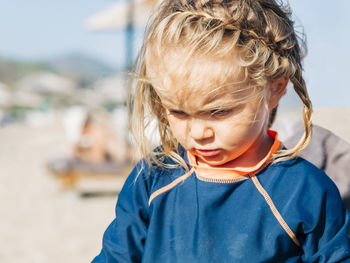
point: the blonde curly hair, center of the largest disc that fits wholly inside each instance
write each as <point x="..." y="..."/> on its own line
<point x="260" y="37"/>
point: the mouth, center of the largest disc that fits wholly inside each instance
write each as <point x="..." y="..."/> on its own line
<point x="207" y="152"/>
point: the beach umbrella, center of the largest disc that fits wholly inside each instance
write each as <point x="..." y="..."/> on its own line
<point x="123" y="16"/>
<point x="118" y="15"/>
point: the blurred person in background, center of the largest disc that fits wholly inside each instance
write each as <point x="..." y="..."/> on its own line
<point x="328" y="152"/>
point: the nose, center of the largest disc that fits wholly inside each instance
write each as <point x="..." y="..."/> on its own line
<point x="200" y="130"/>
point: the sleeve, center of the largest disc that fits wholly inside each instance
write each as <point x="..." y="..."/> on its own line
<point x="124" y="239"/>
<point x="324" y="237"/>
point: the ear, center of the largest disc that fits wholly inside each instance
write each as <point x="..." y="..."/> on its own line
<point x="277" y="88"/>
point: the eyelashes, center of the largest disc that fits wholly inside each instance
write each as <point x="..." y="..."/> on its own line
<point x="221" y="112"/>
<point x="177" y="112"/>
<point x="211" y="114"/>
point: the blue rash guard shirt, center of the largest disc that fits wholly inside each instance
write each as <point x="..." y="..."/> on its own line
<point x="286" y="212"/>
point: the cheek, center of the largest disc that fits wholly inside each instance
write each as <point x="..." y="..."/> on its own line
<point x="178" y="128"/>
<point x="241" y="128"/>
<point x="233" y="131"/>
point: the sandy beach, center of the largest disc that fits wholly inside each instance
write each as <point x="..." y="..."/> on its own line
<point x="39" y="222"/>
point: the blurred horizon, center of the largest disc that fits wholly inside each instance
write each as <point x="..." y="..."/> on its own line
<point x="38" y="31"/>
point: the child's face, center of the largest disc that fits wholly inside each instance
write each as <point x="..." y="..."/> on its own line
<point x="206" y="113"/>
<point x="215" y="129"/>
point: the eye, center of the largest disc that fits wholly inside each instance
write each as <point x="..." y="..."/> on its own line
<point x="178" y="113"/>
<point x="220" y="112"/>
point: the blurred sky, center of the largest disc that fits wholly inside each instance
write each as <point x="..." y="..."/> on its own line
<point x="41" y="29"/>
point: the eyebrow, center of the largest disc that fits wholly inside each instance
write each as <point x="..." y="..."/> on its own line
<point x="168" y="103"/>
<point x="214" y="97"/>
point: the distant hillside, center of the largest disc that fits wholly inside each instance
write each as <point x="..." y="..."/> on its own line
<point x="80" y="66"/>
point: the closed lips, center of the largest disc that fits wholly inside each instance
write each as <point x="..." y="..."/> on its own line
<point x="207" y="152"/>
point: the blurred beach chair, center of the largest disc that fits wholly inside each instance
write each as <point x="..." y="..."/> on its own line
<point x="87" y="177"/>
<point x="99" y="161"/>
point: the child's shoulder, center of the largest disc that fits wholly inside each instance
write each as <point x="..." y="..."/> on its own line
<point x="301" y="169"/>
<point x="300" y="179"/>
<point x="298" y="171"/>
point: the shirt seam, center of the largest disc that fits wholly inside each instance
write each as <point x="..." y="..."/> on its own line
<point x="169" y="186"/>
<point x="274" y="210"/>
<point x="222" y="181"/>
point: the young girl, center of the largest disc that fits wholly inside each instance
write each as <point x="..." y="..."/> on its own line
<point x="222" y="188"/>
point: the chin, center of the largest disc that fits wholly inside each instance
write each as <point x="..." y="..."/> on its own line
<point x="213" y="162"/>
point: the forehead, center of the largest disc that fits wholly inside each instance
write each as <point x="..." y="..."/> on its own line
<point x="196" y="81"/>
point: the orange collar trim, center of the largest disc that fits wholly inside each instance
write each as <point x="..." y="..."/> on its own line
<point x="232" y="173"/>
